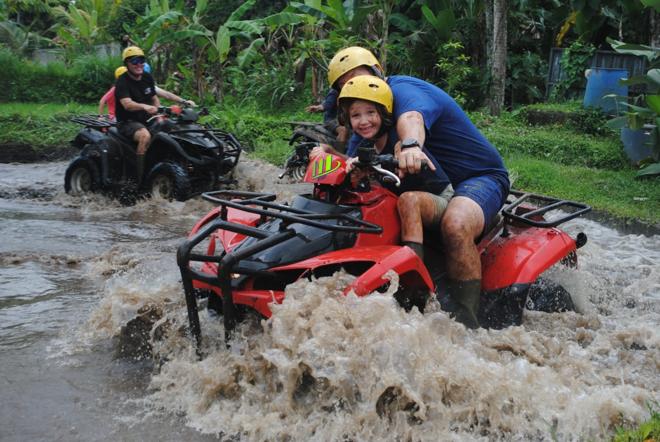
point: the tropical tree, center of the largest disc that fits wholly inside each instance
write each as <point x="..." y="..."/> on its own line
<point x="499" y="55"/>
<point x="83" y="24"/>
<point x="19" y="39"/>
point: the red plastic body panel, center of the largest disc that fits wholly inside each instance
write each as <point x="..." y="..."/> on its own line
<point x="326" y="169"/>
<point x="255" y="299"/>
<point x="379" y="207"/>
<point x="522" y="256"/>
<point x="401" y="260"/>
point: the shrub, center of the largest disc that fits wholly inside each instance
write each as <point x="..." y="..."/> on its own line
<point x="556" y="143"/>
<point x="574" y="61"/>
<point x="84" y="81"/>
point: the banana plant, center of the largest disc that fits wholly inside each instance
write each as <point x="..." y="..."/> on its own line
<point x="18" y="38"/>
<point x="83" y="23"/>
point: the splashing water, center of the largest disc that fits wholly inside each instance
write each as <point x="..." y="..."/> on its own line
<point x="334" y="367"/>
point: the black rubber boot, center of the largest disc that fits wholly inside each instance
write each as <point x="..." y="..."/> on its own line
<point x="466" y="295"/>
<point x="416" y="247"/>
<point x="139" y="166"/>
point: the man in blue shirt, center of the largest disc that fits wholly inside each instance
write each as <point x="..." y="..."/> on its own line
<point x="427" y="119"/>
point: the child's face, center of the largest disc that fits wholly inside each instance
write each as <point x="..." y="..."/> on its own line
<point x="365" y="119"/>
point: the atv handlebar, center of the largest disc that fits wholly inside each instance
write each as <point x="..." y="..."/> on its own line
<point x="383" y="164"/>
<point x="246" y="201"/>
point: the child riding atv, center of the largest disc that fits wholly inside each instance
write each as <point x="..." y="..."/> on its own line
<point x="366" y="103"/>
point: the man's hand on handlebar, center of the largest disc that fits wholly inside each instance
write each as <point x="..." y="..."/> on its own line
<point x="151" y="110"/>
<point x="188" y="103"/>
<point x="411" y="160"/>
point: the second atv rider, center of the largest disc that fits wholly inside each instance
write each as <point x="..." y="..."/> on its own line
<point x="135" y="94"/>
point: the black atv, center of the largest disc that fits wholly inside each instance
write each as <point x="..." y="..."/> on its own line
<point x="305" y="136"/>
<point x="184" y="158"/>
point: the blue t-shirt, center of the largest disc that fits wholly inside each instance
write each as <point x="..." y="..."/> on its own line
<point x="330" y="105"/>
<point x="451" y="138"/>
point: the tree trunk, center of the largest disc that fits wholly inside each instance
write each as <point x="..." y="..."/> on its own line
<point x="315" y="87"/>
<point x="655" y="28"/>
<point x="499" y="52"/>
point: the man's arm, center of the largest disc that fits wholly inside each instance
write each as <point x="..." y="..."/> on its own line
<point x="411" y="125"/>
<point x="133" y="106"/>
<point x="172" y="97"/>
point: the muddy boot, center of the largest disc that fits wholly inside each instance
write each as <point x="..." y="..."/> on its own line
<point x="139" y="166"/>
<point x="418" y="248"/>
<point x="466" y="295"/>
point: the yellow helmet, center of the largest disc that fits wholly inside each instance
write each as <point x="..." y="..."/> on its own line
<point x="120" y="70"/>
<point x="131" y="51"/>
<point x="350" y="58"/>
<point x="368" y="88"/>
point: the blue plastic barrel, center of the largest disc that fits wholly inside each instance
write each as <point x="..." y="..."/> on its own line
<point x="601" y="82"/>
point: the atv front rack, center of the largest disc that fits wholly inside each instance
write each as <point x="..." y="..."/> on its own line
<point x="514" y="212"/>
<point x="260" y="204"/>
<point x="95" y="121"/>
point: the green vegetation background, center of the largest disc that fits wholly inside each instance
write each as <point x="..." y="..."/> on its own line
<point x="567" y="158"/>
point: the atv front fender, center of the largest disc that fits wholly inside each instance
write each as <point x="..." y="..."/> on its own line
<point x="401" y="260"/>
<point x="523" y="255"/>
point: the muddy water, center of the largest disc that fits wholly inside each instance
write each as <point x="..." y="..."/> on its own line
<point x="327" y="367"/>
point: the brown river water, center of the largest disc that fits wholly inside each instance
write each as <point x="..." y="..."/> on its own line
<point x="326" y="367"/>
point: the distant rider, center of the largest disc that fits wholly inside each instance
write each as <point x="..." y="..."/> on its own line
<point x="109" y="98"/>
<point x="135" y="94"/>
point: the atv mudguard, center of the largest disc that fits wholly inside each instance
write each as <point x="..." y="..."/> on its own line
<point x="401" y="260"/>
<point x="522" y="255"/>
<point x="382" y="259"/>
<point x="86" y="136"/>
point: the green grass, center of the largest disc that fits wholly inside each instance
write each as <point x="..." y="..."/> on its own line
<point x="558" y="143"/>
<point x="552" y="160"/>
<point x="615" y="192"/>
<point x="568" y="106"/>
<point x="646" y="431"/>
<point x="46" y="109"/>
<point x="40" y="125"/>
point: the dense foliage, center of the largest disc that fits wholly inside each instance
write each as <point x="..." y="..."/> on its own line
<point x="84" y="80"/>
<point x="270" y="49"/>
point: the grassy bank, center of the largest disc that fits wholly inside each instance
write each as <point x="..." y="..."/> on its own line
<point x="40" y="126"/>
<point x="573" y="161"/>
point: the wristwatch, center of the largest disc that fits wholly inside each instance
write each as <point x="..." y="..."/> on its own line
<point x="409" y="142"/>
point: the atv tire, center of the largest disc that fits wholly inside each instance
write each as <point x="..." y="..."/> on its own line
<point x="128" y="193"/>
<point x="548" y="296"/>
<point x="168" y="180"/>
<point x="82" y="176"/>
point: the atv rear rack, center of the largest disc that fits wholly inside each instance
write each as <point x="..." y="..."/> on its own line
<point x="534" y="217"/>
<point x="257" y="203"/>
<point x="95" y="121"/>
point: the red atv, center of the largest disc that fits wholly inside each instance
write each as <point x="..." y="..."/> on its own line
<point x="256" y="247"/>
